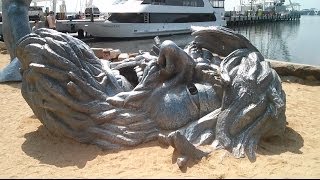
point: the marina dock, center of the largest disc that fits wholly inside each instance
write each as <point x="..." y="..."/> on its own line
<point x="249" y="20"/>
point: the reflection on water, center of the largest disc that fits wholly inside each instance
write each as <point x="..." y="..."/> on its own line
<point x="134" y="45"/>
<point x="272" y="39"/>
<point x="294" y="41"/>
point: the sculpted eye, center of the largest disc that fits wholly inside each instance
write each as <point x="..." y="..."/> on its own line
<point x="192" y="89"/>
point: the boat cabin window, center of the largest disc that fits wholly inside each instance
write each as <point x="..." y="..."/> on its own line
<point x="217" y="3"/>
<point x="94" y="10"/>
<point x="161" y="17"/>
<point x="155" y="2"/>
<point x="193" y="3"/>
<point x="181" y="18"/>
<point x="119" y="2"/>
<point x="35" y="8"/>
<point x="126" y="17"/>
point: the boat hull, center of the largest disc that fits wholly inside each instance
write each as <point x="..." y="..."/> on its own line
<point x="122" y="30"/>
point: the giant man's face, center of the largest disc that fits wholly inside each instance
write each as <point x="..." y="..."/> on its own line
<point x="180" y="89"/>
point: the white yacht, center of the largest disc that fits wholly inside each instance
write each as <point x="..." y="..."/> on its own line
<point x="142" y="18"/>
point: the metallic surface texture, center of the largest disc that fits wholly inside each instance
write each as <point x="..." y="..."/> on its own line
<point x="217" y="91"/>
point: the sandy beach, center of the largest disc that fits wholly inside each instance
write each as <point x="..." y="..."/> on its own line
<point x="28" y="150"/>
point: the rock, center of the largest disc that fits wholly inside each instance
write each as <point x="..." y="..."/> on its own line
<point x="98" y="52"/>
<point x="106" y="54"/>
<point x="302" y="71"/>
<point x="133" y="54"/>
<point x="123" y="56"/>
<point x="115" y="53"/>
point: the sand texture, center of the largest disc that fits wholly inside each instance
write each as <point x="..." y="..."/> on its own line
<point x="28" y="150"/>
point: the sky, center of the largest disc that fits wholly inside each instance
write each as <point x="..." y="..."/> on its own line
<point x="74" y="5"/>
<point x="305" y="4"/>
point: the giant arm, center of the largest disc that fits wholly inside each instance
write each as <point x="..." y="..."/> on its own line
<point x="219" y="90"/>
<point x="14" y="26"/>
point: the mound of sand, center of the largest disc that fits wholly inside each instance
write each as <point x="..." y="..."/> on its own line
<point x="28" y="150"/>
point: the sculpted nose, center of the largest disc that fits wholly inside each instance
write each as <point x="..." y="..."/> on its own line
<point x="173" y="60"/>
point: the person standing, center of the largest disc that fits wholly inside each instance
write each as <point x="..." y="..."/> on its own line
<point x="51" y="19"/>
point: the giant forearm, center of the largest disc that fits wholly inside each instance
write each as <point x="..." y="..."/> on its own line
<point x="15" y="22"/>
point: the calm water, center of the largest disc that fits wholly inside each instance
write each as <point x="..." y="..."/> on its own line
<point x="293" y="41"/>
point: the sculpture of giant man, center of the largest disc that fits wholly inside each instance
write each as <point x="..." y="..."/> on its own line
<point x="217" y="91"/>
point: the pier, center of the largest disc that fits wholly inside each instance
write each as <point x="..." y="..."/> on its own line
<point x="242" y="20"/>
